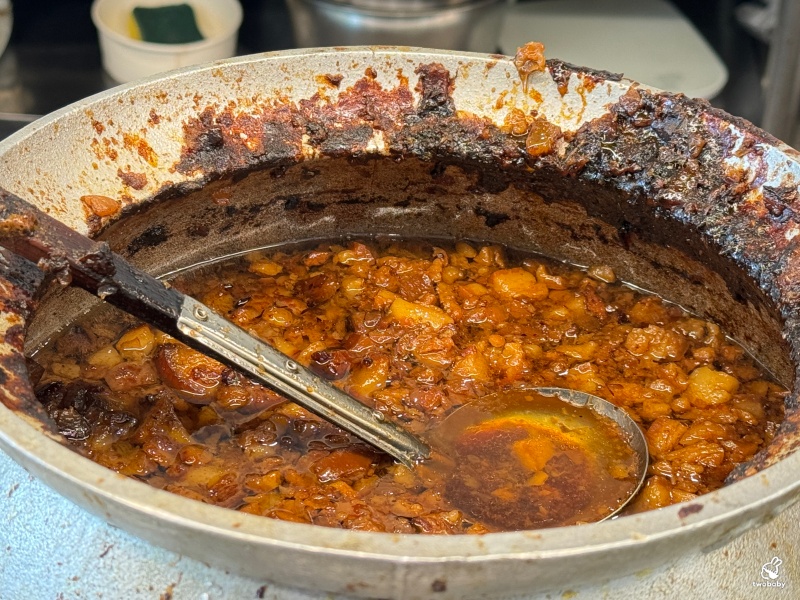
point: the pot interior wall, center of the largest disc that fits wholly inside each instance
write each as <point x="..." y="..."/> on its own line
<point x="557" y="217"/>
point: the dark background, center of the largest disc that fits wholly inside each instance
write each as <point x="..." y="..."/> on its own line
<point x="266" y="24"/>
<point x="54" y="44"/>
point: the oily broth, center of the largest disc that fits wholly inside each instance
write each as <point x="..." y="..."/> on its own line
<point x="522" y="460"/>
<point x="415" y="329"/>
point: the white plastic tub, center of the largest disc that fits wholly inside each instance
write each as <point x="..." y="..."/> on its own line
<point x="126" y="59"/>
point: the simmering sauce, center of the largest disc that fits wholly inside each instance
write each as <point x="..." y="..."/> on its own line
<point x="414" y="329"/>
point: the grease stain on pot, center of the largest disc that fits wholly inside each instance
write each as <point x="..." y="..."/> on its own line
<point x="99" y="505"/>
<point x="689" y="509"/>
<point x="493" y="219"/>
<point x="137" y="181"/>
<point x="142" y="148"/>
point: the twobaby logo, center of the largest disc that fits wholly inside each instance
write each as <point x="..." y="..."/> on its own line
<point x="770" y="573"/>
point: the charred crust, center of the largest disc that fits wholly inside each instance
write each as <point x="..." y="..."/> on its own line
<point x="24" y="279"/>
<point x="435" y="88"/>
<point x="275" y="138"/>
<point x="347" y="142"/>
<point x="224" y="143"/>
<point x="561" y="72"/>
<point x="21" y="282"/>
<point x="493" y="219"/>
<point x="778" y="201"/>
<point x="438" y="170"/>
<point x="101" y="261"/>
<point x="149" y="238"/>
<point x="15" y="337"/>
<point x="291" y="202"/>
<point x="566" y="69"/>
<point x="16" y="392"/>
<point x="198" y="230"/>
<point x="333" y="80"/>
<point x="654" y="167"/>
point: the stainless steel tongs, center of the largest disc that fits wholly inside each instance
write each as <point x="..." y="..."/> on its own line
<point x="57" y="249"/>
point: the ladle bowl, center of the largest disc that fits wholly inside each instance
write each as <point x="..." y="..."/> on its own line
<point x="528" y="457"/>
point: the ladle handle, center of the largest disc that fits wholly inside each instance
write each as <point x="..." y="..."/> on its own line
<point x="239" y="349"/>
<point x="76" y="259"/>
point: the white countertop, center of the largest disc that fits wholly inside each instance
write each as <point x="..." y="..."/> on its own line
<point x="649" y="41"/>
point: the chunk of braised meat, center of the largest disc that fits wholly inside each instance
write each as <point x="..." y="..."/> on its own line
<point x="331" y="364"/>
<point x="192" y="374"/>
<point x="317" y="289"/>
<point x="349" y="465"/>
<point x="238" y="393"/>
<point x="79" y="409"/>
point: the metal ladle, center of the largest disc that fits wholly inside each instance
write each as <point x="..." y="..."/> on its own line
<point x="78" y="260"/>
<point x="533" y="457"/>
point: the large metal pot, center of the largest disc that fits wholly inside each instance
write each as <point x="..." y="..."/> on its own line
<point x="675" y="196"/>
<point x="452" y="24"/>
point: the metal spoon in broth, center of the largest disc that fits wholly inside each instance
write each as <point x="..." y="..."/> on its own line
<point x="529" y="458"/>
<point x="507" y="460"/>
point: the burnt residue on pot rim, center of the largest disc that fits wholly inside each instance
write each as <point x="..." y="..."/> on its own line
<point x="677" y="156"/>
<point x="693" y="167"/>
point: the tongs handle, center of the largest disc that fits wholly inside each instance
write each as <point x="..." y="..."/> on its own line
<point x="74" y="258"/>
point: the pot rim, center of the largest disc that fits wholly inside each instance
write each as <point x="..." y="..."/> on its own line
<point x="752" y="499"/>
<point x="775" y="487"/>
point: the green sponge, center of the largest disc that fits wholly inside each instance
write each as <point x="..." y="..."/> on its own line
<point x="172" y="24"/>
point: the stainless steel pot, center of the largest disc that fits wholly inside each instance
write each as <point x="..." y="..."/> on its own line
<point x="472" y="25"/>
<point x="675" y="196"/>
